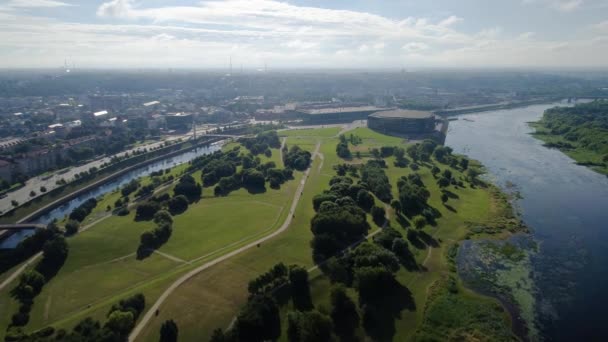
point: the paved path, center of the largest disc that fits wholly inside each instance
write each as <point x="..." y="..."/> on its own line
<point x="152" y="311"/>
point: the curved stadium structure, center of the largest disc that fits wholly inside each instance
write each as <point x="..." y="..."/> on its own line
<point x="400" y="122"/>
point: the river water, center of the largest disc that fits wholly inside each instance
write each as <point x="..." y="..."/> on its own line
<point x="566" y="207"/>
<point x="67" y="208"/>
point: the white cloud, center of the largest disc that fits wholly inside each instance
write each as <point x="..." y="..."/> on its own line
<point x="115" y="8"/>
<point x="450" y="21"/>
<point x="36" y="3"/>
<point x="414" y="47"/>
<point x="282" y="34"/>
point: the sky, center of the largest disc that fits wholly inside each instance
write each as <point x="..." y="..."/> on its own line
<point x="359" y="34"/>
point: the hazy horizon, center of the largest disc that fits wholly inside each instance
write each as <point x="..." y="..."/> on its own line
<point x="305" y="34"/>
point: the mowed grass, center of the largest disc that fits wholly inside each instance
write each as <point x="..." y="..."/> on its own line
<point x="212" y="299"/>
<point x="102" y="268"/>
<point x="311" y="132"/>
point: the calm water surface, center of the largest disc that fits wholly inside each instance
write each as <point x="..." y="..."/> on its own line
<point x="565" y="205"/>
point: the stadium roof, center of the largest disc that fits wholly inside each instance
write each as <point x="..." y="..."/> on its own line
<point x="322" y="111"/>
<point x="402" y="113"/>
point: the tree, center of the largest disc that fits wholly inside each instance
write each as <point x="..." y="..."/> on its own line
<point x="71" y="227"/>
<point x="300" y="288"/>
<point x="365" y="200"/>
<point x="443" y="182"/>
<point x="32" y="193"/>
<point x="168" y="331"/>
<point x="396" y="205"/>
<point x="146" y="211"/>
<point x="309" y="326"/>
<point x="444" y="198"/>
<point x="373" y="284"/>
<point x="464" y="163"/>
<point x="378" y="215"/>
<point x="178" y="204"/>
<point x="344" y="313"/>
<point x="419" y="222"/>
<point x="435" y="171"/>
<point x="163" y="216"/>
<point x="259" y="320"/>
<point x="188" y="187"/>
<point x="54" y="253"/>
<point x="337" y="229"/>
<point x="253" y="179"/>
<point x="120" y="322"/>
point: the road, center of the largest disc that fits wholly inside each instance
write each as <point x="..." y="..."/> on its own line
<point x="22" y="195"/>
<point x="152" y="311"/>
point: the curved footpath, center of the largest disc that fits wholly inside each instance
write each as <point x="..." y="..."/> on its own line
<point x="151" y="312"/>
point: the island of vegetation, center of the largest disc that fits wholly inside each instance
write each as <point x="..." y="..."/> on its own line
<point x="369" y="252"/>
<point x="581" y="132"/>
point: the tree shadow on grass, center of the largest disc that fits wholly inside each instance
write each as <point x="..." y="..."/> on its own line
<point x="450" y="194"/>
<point x="428" y="239"/>
<point x="379" y="316"/>
<point x="450" y="208"/>
<point x="403" y="222"/>
<point x="413" y="236"/>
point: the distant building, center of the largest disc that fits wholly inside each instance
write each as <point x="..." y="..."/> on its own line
<point x="336" y="114"/>
<point x="100" y="113"/>
<point x="179" y="121"/>
<point x="407" y="123"/>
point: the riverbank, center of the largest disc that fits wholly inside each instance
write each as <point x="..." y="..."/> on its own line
<point x="564" y="206"/>
<point x="53" y="199"/>
<point x="595" y="159"/>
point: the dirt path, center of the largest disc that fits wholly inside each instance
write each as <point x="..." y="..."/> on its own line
<point x="170" y="257"/>
<point x="151" y="312"/>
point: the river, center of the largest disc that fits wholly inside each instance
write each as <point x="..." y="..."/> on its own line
<point x="116" y="183"/>
<point x="566" y="207"/>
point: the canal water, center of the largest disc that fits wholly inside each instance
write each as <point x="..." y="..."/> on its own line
<point x="67" y="208"/>
<point x="566" y="207"/>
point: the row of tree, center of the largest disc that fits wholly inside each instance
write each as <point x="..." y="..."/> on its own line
<point x="120" y="320"/>
<point x="31" y="282"/>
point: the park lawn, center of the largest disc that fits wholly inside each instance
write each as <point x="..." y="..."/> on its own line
<point x="211" y="299"/>
<point x="102" y="259"/>
<point x="310" y="132"/>
<point x="212" y="224"/>
<point x="374" y="139"/>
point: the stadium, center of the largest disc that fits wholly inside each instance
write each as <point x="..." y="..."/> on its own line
<point x="402" y="122"/>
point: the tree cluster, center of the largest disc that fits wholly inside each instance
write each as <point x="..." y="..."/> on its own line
<point x="153" y="239"/>
<point x="262" y="142"/>
<point x="372" y="174"/>
<point x="83" y="210"/>
<point x="297" y="158"/>
<point x="120" y="320"/>
<point x="342" y="149"/>
<point x="54" y="254"/>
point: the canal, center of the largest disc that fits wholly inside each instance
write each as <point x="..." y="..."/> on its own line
<point x="110" y="186"/>
<point x="566" y="207"/>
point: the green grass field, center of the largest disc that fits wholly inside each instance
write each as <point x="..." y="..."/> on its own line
<point x="212" y="298"/>
<point x="102" y="267"/>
